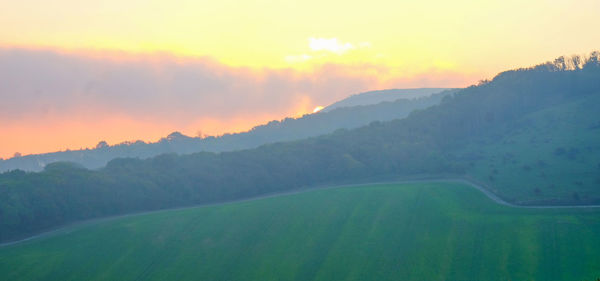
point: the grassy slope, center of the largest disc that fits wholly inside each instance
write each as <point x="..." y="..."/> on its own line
<point x="411" y="232"/>
<point x="529" y="164"/>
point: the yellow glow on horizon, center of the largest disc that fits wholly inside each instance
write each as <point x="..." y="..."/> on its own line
<point x="317" y="109"/>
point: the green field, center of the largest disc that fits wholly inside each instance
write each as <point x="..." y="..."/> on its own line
<point x="553" y="155"/>
<point x="435" y="231"/>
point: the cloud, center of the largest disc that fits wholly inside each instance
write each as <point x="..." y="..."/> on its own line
<point x="121" y="97"/>
<point x="298" y="58"/>
<point x="330" y="45"/>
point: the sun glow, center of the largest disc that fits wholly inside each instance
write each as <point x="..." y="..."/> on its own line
<point x="175" y="61"/>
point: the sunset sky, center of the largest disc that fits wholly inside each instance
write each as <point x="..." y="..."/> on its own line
<point x="75" y="72"/>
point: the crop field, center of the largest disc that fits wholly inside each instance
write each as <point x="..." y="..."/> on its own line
<point x="419" y="231"/>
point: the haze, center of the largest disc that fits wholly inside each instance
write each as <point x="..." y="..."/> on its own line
<point x="75" y="72"/>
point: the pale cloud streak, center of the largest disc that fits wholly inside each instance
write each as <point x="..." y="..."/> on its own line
<point x="330" y="45"/>
<point x="320" y="49"/>
<point x="298" y="58"/>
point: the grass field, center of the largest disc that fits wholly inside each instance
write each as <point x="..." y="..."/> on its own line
<point x="553" y="157"/>
<point x="435" y="231"/>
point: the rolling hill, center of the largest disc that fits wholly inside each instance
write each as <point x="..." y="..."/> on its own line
<point x="546" y="157"/>
<point x="529" y="134"/>
<point x="426" y="231"/>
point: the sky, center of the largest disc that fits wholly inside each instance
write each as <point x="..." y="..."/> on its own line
<point x="74" y="72"/>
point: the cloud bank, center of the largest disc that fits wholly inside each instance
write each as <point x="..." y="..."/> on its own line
<point x="43" y="89"/>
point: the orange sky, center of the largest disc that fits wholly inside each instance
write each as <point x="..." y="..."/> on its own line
<point x="77" y="72"/>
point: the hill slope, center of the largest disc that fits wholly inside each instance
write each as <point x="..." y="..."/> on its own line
<point x="390" y="107"/>
<point x="387" y="232"/>
<point x="375" y="97"/>
<point x="548" y="156"/>
<point x="457" y="137"/>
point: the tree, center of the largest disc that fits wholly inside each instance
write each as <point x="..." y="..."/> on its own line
<point x="101" y="144"/>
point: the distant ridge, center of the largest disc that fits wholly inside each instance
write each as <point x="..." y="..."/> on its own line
<point x="374" y="97"/>
<point x="288" y="129"/>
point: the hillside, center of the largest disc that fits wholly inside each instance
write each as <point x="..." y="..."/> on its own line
<point x="390" y="106"/>
<point x="548" y="156"/>
<point x="375" y="97"/>
<point x="437" y="231"/>
<point x="466" y="135"/>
